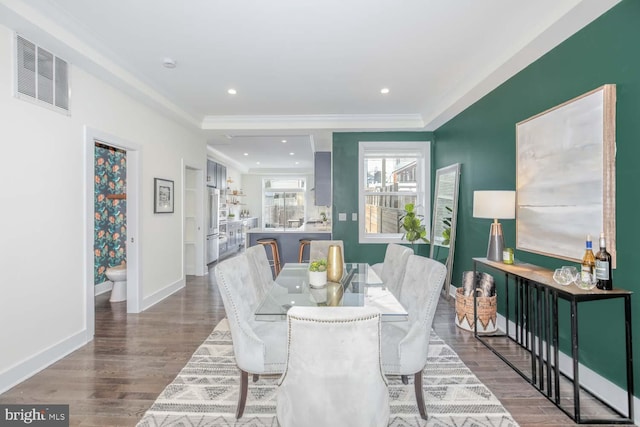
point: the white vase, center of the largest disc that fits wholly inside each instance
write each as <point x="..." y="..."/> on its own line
<point x="317" y="279"/>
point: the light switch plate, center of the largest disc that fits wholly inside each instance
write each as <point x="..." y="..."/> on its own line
<point x="342" y="216"/>
<point x="354" y="216"/>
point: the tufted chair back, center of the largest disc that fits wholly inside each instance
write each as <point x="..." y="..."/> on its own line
<point x="405" y="345"/>
<point x="333" y="375"/>
<point x="258" y="347"/>
<point x="320" y="248"/>
<point x="391" y="271"/>
<point x="260" y="271"/>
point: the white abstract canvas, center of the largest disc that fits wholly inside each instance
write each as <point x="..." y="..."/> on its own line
<point x="565" y="164"/>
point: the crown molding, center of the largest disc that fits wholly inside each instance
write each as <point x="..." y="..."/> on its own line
<point x="322" y="121"/>
<point x="78" y="51"/>
<point x="515" y="60"/>
<point x="228" y="161"/>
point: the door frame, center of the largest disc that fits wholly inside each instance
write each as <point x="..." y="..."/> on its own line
<point x="133" y="246"/>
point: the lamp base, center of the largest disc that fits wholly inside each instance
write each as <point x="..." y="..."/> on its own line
<point x="496" y="242"/>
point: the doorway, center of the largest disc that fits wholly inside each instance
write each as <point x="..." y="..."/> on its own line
<point x="193" y="254"/>
<point x="133" y="291"/>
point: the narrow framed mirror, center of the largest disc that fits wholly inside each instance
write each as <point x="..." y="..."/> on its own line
<point x="445" y="213"/>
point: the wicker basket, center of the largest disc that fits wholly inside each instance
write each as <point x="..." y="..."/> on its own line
<point x="486" y="311"/>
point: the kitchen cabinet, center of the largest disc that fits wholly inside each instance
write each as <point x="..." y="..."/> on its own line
<point x="216" y="175"/>
<point x="211" y="173"/>
<point x="235" y="232"/>
<point x="322" y="178"/>
<point x="222" y="176"/>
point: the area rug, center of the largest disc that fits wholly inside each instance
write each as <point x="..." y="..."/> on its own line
<point x="205" y="393"/>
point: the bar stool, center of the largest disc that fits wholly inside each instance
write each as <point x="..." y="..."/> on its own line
<point x="303" y="243"/>
<point x="275" y="255"/>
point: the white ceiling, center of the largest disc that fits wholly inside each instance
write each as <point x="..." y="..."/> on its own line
<point x="301" y="68"/>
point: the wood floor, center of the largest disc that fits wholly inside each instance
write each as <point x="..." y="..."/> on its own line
<point x="114" y="379"/>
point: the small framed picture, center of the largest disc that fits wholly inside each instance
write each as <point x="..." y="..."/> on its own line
<point x="163" y="196"/>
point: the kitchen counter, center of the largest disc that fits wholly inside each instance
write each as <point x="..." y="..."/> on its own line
<point x="289" y="238"/>
<point x="236" y="219"/>
<point x="306" y="228"/>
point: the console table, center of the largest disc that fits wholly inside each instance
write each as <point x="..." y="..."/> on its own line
<point x="535" y="318"/>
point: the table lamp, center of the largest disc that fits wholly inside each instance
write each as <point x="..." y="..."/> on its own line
<point x="495" y="205"/>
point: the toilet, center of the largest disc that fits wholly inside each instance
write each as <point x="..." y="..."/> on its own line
<point x="118" y="275"/>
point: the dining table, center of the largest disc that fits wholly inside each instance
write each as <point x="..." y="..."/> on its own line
<point x="359" y="286"/>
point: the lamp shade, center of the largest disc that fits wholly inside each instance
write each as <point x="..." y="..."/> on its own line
<point x="494" y="204"/>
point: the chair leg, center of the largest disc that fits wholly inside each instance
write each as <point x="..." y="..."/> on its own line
<point x="419" y="395"/>
<point x="276" y="258"/>
<point x="242" y="398"/>
<point x="405" y="379"/>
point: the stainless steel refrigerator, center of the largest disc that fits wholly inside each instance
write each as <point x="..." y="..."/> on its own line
<point x="213" y="232"/>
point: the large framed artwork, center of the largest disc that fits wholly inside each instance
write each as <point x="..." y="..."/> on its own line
<point x="163" y="199"/>
<point x="565" y="167"/>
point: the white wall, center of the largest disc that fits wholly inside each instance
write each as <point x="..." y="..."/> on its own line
<point x="42" y="305"/>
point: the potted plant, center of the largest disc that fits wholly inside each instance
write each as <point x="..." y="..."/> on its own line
<point x="414" y="229"/>
<point x="323" y="216"/>
<point x="318" y="273"/>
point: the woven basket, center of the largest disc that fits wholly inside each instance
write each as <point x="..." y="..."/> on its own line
<point x="486" y="311"/>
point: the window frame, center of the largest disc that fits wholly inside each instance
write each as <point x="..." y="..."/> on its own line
<point x="303" y="190"/>
<point x="423" y="185"/>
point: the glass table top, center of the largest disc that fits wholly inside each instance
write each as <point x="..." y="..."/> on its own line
<point x="360" y="286"/>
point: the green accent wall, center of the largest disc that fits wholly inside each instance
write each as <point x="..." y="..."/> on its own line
<point x="345" y="191"/>
<point x="482" y="138"/>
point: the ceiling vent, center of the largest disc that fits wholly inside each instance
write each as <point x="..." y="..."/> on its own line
<point x="41" y="75"/>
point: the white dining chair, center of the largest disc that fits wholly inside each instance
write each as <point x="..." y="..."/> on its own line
<point x="391" y="270"/>
<point x="405" y="345"/>
<point x="319" y="249"/>
<point x="333" y="375"/>
<point x="260" y="271"/>
<point x="258" y="347"/>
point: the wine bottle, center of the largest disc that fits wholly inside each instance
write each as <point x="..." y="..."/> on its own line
<point x="603" y="266"/>
<point x="588" y="267"/>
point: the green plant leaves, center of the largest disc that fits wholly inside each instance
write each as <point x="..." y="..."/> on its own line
<point x="412" y="225"/>
<point x="318" y="265"/>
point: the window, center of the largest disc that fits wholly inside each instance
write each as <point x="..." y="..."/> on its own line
<point x="283" y="202"/>
<point x="391" y="174"/>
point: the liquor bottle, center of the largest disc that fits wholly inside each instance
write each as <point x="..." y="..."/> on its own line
<point x="588" y="263"/>
<point x="603" y="266"/>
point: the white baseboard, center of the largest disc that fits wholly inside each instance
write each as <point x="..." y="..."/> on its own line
<point x="163" y="293"/>
<point x="599" y="386"/>
<point x="103" y="287"/>
<point x="34" y="364"/>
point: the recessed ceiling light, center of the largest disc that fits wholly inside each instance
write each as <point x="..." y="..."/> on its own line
<point x="246" y="154"/>
<point x="232" y="91"/>
<point x="169" y="62"/>
<point x="284" y="141"/>
<point x="257" y="163"/>
<point x="291" y="153"/>
<point x="384" y="90"/>
<point x="297" y="163"/>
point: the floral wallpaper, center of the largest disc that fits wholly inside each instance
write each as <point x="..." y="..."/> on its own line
<point x="110" y="214"/>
